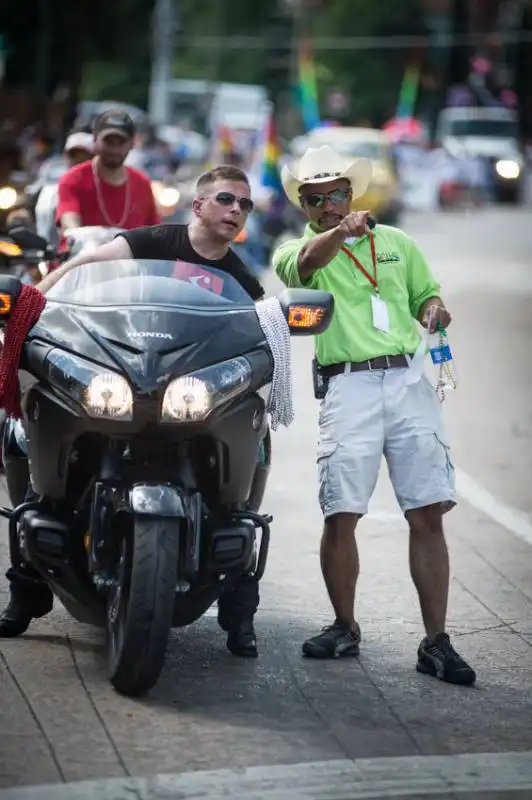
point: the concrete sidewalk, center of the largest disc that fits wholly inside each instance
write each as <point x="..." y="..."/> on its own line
<point x="210" y="711"/>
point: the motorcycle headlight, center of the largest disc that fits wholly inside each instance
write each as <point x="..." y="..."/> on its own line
<point x="191" y="398"/>
<point x="8" y="197"/>
<point x="508" y="169"/>
<point x="165" y="196"/>
<point x="101" y="393"/>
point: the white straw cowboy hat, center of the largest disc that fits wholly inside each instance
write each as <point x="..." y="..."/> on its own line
<point x="323" y="165"/>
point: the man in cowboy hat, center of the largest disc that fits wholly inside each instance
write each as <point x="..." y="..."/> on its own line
<point x="373" y="404"/>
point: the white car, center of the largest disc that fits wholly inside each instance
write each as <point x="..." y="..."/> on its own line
<point x="489" y="133"/>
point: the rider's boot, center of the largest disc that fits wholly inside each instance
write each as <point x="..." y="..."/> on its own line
<point x="236" y="610"/>
<point x="29" y="598"/>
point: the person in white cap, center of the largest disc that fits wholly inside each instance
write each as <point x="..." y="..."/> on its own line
<point x="382" y="285"/>
<point x="79" y="147"/>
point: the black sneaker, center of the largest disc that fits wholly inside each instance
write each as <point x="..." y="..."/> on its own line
<point x="439" y="659"/>
<point x="333" y="642"/>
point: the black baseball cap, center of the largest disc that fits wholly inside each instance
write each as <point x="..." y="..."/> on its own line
<point x="114" y="121"/>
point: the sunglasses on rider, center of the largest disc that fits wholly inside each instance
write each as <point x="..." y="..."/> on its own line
<point x="319" y="200"/>
<point x="228" y="199"/>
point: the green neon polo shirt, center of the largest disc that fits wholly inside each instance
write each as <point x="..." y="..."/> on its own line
<point x="405" y="283"/>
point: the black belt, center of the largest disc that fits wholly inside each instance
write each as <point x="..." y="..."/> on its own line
<point x="381" y="362"/>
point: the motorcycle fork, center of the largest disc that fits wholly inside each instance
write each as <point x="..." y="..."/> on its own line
<point x="107" y="500"/>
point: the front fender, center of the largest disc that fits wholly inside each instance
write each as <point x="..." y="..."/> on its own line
<point x="157" y="500"/>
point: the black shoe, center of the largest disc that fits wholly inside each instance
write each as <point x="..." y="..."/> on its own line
<point x="22" y="608"/>
<point x="333" y="642"/>
<point x="439" y="659"/>
<point x="241" y="640"/>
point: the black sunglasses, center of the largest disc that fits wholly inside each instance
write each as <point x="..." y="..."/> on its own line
<point x="228" y="199"/>
<point x="318" y="200"/>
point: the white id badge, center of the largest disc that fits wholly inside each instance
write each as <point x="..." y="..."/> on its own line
<point x="381" y="320"/>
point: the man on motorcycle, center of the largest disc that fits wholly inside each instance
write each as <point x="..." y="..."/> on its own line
<point x="103" y="191"/>
<point x="221" y="208"/>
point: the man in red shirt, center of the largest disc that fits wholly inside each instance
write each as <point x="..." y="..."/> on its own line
<point x="103" y="191"/>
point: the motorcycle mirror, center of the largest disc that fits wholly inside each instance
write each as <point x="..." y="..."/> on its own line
<point x="9" y="291"/>
<point x="307" y="311"/>
<point x="28" y="239"/>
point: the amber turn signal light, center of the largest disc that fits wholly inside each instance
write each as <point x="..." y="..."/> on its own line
<point x="305" y="316"/>
<point x="5" y="304"/>
<point x="9" y="249"/>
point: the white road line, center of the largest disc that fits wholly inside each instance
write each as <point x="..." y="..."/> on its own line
<point x="483" y="500"/>
<point x="376" y="778"/>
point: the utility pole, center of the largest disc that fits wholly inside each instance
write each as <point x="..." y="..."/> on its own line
<point x="278" y="43"/>
<point x="165" y="23"/>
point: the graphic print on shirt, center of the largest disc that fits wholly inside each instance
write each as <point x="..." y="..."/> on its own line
<point x="387" y="258"/>
<point x="192" y="273"/>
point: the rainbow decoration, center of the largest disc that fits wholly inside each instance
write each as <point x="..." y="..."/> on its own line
<point x="221" y="146"/>
<point x="409" y="92"/>
<point x="308" y="86"/>
<point x="272" y="153"/>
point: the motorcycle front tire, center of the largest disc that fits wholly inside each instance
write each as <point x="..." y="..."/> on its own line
<point x="140" y="608"/>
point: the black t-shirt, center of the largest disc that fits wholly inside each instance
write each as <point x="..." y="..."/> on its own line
<point x="169" y="242"/>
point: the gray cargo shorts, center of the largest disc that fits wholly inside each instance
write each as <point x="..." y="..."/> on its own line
<point x="366" y="415"/>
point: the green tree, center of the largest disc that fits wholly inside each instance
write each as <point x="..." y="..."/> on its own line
<point x="103" y="49"/>
<point x="371" y="76"/>
<point x="119" y="44"/>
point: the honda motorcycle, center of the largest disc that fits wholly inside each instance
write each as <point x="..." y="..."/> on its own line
<point x="146" y="405"/>
<point x="11" y="257"/>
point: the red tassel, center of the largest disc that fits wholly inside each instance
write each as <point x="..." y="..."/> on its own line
<point x="27" y="310"/>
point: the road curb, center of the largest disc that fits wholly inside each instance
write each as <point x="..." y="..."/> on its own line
<point x="479" y="773"/>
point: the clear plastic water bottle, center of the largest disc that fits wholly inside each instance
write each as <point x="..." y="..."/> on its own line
<point x="442" y="358"/>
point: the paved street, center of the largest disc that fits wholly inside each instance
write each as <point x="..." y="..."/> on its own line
<point x="61" y="721"/>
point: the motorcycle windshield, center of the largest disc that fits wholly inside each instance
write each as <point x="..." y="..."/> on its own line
<point x="143" y="282"/>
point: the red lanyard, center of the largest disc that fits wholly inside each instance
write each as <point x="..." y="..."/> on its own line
<point x="371" y="278"/>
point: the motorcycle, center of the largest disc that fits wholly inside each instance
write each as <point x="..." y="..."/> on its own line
<point x="144" y="415"/>
<point x="11" y="257"/>
<point x="25" y="263"/>
<point x="35" y="253"/>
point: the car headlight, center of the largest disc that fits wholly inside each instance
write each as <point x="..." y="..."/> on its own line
<point x="8" y="197"/>
<point x="191" y="398"/>
<point x="507" y="169"/>
<point x="101" y="393"/>
<point x="381" y="176"/>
